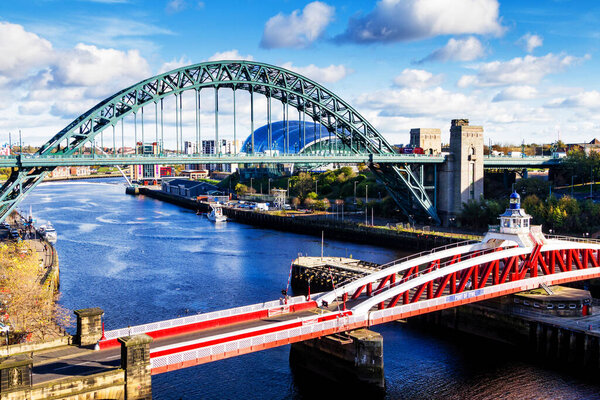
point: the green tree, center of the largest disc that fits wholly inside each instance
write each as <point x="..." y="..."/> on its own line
<point x="533" y="186"/>
<point x="303" y="184"/>
<point x="241" y="189"/>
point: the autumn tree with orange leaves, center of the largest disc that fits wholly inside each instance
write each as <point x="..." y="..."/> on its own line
<point x="32" y="306"/>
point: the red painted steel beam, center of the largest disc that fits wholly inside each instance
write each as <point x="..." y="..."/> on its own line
<point x="508" y="267"/>
<point x="593" y="259"/>
<point x="442" y="286"/>
<point x="395" y="300"/>
<point x="560" y="257"/>
<point x="577" y="258"/>
<point x="464" y="279"/>
<point x="358" y="292"/>
<point x="383" y="282"/>
<point x="418" y="293"/>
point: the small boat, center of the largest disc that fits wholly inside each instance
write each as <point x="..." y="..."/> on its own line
<point x="216" y="214"/>
<point x="48" y="232"/>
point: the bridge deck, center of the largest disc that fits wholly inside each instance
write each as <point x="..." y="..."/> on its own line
<point x="80" y="362"/>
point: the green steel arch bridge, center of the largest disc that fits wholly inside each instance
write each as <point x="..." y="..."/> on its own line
<point x="120" y="118"/>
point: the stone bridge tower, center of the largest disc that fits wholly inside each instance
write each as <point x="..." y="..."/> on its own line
<point x="461" y="177"/>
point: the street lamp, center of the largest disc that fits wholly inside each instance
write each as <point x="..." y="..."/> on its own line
<point x="251" y="187"/>
<point x="354" y="192"/>
<point x="316" y="187"/>
<point x="572" y="176"/>
<point x="269" y="192"/>
<point x="288" y="189"/>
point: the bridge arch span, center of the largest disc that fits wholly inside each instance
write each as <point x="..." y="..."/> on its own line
<point x="318" y="103"/>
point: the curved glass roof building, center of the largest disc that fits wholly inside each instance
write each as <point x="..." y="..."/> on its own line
<point x="301" y="137"/>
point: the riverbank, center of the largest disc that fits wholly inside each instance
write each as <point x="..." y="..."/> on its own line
<point x="332" y="229"/>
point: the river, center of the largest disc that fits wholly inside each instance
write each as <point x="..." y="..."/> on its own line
<point x="142" y="260"/>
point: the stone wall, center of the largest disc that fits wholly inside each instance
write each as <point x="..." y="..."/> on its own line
<point x="35" y="346"/>
<point x="105" y="385"/>
<point x="311" y="226"/>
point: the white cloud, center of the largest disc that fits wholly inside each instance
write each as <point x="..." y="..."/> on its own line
<point x="516" y="93"/>
<point x="519" y="71"/>
<point x="330" y="74"/>
<point x="297" y="30"/>
<point x="414" y="101"/>
<point x="402" y="20"/>
<point x="22" y="51"/>
<point x="417" y="78"/>
<point x="233" y="54"/>
<point x="589" y="100"/>
<point x="530" y="42"/>
<point x="467" y="49"/>
<point x="87" y="65"/>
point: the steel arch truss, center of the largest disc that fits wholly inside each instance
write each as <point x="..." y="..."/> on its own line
<point x="320" y="104"/>
<point x="464" y="275"/>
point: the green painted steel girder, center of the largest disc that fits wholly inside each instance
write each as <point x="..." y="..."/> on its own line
<point x="53" y="160"/>
<point x="322" y="105"/>
<point x="319" y="103"/>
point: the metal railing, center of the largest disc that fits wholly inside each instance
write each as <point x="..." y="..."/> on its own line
<point x="340" y="324"/>
<point x="416" y="255"/>
<point x="191" y="319"/>
<point x="573" y="239"/>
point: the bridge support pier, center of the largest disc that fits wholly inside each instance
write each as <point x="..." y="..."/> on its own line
<point x="352" y="358"/>
<point x="15" y="377"/>
<point x="89" y="326"/>
<point x="135" y="360"/>
<point x="461" y="177"/>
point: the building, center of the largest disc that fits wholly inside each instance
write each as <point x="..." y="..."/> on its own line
<point x="189" y="147"/>
<point x="429" y="139"/>
<point x="225" y="146"/>
<point x="593" y="146"/>
<point x="195" y="174"/>
<point x="61" y="172"/>
<point x="147" y="173"/>
<point x="167" y="172"/>
<point x="191" y="189"/>
<point x="82" y="170"/>
<point x="287" y="137"/>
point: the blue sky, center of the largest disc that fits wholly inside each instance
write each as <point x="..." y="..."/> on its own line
<point x="524" y="72"/>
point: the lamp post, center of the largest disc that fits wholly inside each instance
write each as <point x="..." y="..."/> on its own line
<point x="288" y="189"/>
<point x="316" y="187"/>
<point x="269" y="192"/>
<point x="354" y="192"/>
<point x="251" y="187"/>
<point x="572" y="177"/>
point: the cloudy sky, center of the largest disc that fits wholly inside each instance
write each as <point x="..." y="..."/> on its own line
<point x="524" y="70"/>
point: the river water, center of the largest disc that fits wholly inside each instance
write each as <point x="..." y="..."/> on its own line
<point x="142" y="260"/>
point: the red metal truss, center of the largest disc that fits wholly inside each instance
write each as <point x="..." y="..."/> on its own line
<point x="495" y="272"/>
